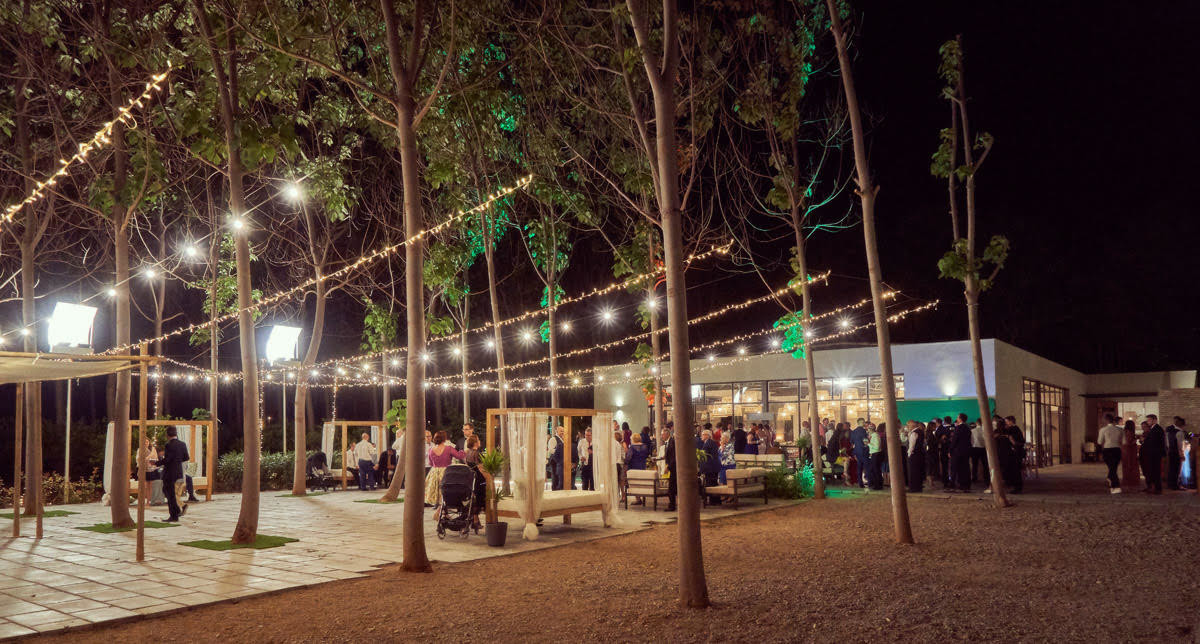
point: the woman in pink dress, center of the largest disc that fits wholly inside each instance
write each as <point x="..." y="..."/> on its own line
<point x="440" y="456"/>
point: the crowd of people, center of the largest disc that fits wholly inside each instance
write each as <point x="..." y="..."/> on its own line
<point x="1147" y="451"/>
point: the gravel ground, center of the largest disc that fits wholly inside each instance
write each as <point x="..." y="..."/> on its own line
<point x="1060" y="570"/>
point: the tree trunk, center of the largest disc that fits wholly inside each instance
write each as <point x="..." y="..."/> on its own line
<point x="246" y="529"/>
<point x="553" y="342"/>
<point x="462" y="339"/>
<point x="810" y="369"/>
<point x="498" y="341"/>
<point x="302" y="394"/>
<point x="693" y="589"/>
<point x="403" y="77"/>
<point x="660" y="420"/>
<point x="119" y="476"/>
<point x="33" y="390"/>
<point x="971" y="293"/>
<point x="866" y="192"/>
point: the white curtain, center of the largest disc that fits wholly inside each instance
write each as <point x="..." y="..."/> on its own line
<point x="527" y="461"/>
<point x="604" y="465"/>
<point x="327" y="442"/>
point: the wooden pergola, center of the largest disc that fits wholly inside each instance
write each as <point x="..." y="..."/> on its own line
<point x="385" y="436"/>
<point x="210" y="449"/>
<point x="41" y="367"/>
<point x="495" y="417"/>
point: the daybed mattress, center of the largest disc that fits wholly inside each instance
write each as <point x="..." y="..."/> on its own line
<point x="559" y="500"/>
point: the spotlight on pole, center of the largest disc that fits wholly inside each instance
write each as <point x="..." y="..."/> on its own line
<point x="281" y="343"/>
<point x="70" y="328"/>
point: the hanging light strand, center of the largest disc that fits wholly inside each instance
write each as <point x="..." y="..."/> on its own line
<point x="345" y="270"/>
<point x="101" y="138"/>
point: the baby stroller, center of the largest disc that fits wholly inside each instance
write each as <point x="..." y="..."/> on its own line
<point x="317" y="472"/>
<point x="458" y="501"/>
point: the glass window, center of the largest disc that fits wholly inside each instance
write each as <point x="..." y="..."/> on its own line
<point x="721" y="393"/>
<point x="824" y="389"/>
<point x="747" y="392"/>
<point x="782" y="391"/>
<point x="852" y="389"/>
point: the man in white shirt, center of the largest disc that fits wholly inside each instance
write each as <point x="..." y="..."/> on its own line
<point x="979" y="462"/>
<point x="555" y="457"/>
<point x="366" y="455"/>
<point x="1110" y="440"/>
<point x="585" y="461"/>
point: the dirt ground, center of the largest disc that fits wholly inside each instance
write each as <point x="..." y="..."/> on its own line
<point x="1080" y="568"/>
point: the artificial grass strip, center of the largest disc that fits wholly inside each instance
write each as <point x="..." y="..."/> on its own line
<point x="45" y="514"/>
<point x="378" y="501"/>
<point x="107" y="528"/>
<point x="289" y="495"/>
<point x="261" y="541"/>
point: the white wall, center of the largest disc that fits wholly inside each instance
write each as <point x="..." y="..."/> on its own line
<point x="1013" y="364"/>
<point x="1118" y="384"/>
<point x="931" y="370"/>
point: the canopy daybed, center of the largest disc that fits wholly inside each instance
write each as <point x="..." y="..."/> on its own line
<point x="200" y="436"/>
<point x="22" y="368"/>
<point x="527" y="430"/>
<point x="378" y="429"/>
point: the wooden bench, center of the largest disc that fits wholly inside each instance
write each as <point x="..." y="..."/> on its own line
<point x="644" y="483"/>
<point x="739" y="483"/>
<point x="768" y="461"/>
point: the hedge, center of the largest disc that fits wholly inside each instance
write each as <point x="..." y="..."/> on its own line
<point x="275" y="471"/>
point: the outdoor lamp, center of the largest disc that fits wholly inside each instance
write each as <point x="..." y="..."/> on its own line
<point x="281" y="343"/>
<point x="70" y="327"/>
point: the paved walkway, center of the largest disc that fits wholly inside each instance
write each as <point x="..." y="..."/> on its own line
<point x="74" y="577"/>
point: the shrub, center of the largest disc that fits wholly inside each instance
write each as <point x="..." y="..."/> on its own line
<point x="782" y="484"/>
<point x="275" y="471"/>
<point x="82" y="490"/>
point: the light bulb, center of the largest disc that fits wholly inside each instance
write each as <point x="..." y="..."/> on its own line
<point x="395" y="362"/>
<point x="456" y="351"/>
<point x="711" y="357"/>
<point x="149" y="273"/>
<point x="652" y="304"/>
<point x="844" y="323"/>
<point x="741" y="351"/>
<point x="292" y="191"/>
<point x="190" y="251"/>
<point x="600" y="378"/>
<point x="25" y="332"/>
<point x="565" y="326"/>
<point x="239" y="223"/>
<point x="112" y="292"/>
<point x="491" y="344"/>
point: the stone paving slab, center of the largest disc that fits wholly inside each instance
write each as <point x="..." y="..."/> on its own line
<point x="72" y="577"/>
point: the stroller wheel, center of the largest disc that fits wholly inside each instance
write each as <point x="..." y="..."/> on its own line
<point x="441" y="531"/>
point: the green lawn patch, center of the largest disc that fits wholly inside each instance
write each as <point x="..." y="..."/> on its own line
<point x="400" y="500"/>
<point x="107" y="528"/>
<point x="260" y="542"/>
<point x="46" y="514"/>
<point x="289" y="495"/>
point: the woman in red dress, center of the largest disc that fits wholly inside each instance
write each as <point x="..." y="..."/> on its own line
<point x="1130" y="476"/>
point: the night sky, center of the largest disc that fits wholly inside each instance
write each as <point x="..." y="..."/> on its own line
<point x="1092" y="108"/>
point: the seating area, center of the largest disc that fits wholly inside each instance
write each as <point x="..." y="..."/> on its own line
<point x="740" y="482"/>
<point x="644" y="484"/>
<point x="768" y="461"/>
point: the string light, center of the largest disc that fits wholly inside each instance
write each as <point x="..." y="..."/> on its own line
<point x="100" y="138"/>
<point x="598" y="291"/>
<point x="372" y="256"/>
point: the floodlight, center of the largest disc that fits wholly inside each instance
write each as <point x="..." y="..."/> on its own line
<point x="293" y="192"/>
<point x="281" y="343"/>
<point x="112" y="292"/>
<point x="70" y="326"/>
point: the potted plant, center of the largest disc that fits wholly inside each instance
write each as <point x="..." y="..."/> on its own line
<point x="491" y="465"/>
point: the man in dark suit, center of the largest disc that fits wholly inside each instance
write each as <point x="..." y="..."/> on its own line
<point x="1176" y="436"/>
<point x="555" y="448"/>
<point x="669" y="457"/>
<point x="711" y="466"/>
<point x="944" y="435"/>
<point x="175" y="454"/>
<point x="960" y="453"/>
<point x="739" y="440"/>
<point x="1154" y="448"/>
<point x="858" y="442"/>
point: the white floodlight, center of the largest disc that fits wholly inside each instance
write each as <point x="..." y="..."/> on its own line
<point x="281" y="343"/>
<point x="70" y="327"/>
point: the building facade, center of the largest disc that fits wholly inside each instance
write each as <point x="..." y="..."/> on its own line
<point x="1058" y="407"/>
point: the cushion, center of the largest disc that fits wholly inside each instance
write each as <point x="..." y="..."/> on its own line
<point x="745" y="473"/>
<point x="559" y="500"/>
<point x="641" y="475"/>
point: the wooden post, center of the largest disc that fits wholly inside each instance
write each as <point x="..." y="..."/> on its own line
<point x="345" y="457"/>
<point x="211" y="472"/>
<point x="490" y="427"/>
<point x="142" y="410"/>
<point x="19" y="428"/>
<point x="568" y="475"/>
<point x="531" y="465"/>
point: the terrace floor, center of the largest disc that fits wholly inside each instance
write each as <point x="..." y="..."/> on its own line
<point x="73" y="577"/>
